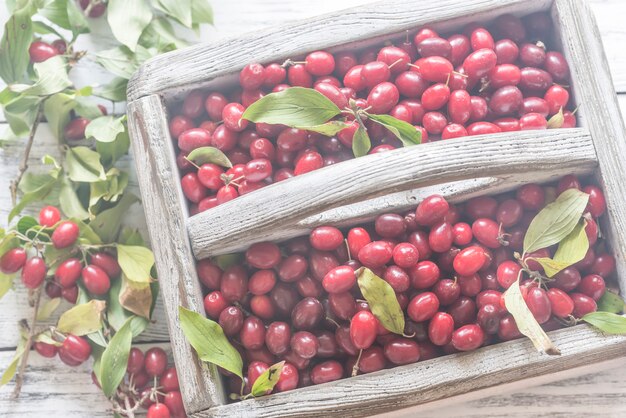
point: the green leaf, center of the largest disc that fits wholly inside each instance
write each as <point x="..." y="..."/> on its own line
<point x="131" y="236"/>
<point x="86" y="108"/>
<point x="127" y="19"/>
<point x="226" y="261"/>
<point x="48" y="308"/>
<point x="574" y="246"/>
<point x="105" y="128"/>
<point x="120" y="61"/>
<point x="295" y="106"/>
<point x="611" y="302"/>
<point x="43" y="28"/>
<point x="11" y="369"/>
<point x="405" y="132"/>
<point x="607" y="322"/>
<point x="205" y="155"/>
<point x="51" y="77"/>
<point x="136" y="262"/>
<point x="6" y="283"/>
<point x="265" y="383"/>
<point x="555" y="221"/>
<point x="361" y="143"/>
<point x="82" y="319"/>
<point x="161" y="34"/>
<point x="98" y="338"/>
<point x="8" y="242"/>
<point x="526" y="322"/>
<point x="83" y="165"/>
<point x="87" y="234"/>
<point x="107" y="223"/>
<point x="381" y="299"/>
<point x="115" y="90"/>
<point x="76" y="19"/>
<point x="26" y="223"/>
<point x="57" y="110"/>
<point x="36" y="194"/>
<point x="114" y="360"/>
<point x="16" y="38"/>
<point x="209" y="341"/>
<point x="178" y="9"/>
<point x="328" y="128"/>
<point x="201" y="12"/>
<point x="70" y="203"/>
<point x="551" y="267"/>
<point x="21" y="112"/>
<point x="110" y="152"/>
<point x="46" y="337"/>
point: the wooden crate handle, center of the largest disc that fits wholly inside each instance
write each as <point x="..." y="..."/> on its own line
<point x="288" y="208"/>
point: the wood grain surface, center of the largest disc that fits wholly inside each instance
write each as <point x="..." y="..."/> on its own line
<point x="54" y="390"/>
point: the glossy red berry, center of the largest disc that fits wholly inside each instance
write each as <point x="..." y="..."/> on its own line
<point x="135" y="361"/>
<point x="440" y="328"/>
<point x="363" y="329"/>
<point x="95" y="280"/>
<point x="431" y="210"/>
<point x="65" y="234"/>
<point x="34" y="272"/>
<point x="158" y="410"/>
<point x="320" y="63"/>
<point x="470" y="260"/>
<point x="49" y="216"/>
<point x="68" y="272"/>
<point x="423" y="306"/>
<point x="13" y="260"/>
<point x="468" y="337"/>
<point x="107" y="263"/>
<point x="155" y="361"/>
<point x="41" y="51"/>
<point x="75" y="350"/>
<point x="326" y="238"/>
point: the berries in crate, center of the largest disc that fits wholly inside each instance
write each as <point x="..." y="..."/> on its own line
<point x="416" y="195"/>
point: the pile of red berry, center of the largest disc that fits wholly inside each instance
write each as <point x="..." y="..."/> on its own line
<point x="448" y="265"/>
<point x="487" y="79"/>
<point x="96" y="275"/>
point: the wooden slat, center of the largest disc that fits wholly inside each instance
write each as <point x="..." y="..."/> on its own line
<point x="163" y="204"/>
<point x="279" y="211"/>
<point x="179" y="71"/>
<point x="432" y="380"/>
<point x="600" y="113"/>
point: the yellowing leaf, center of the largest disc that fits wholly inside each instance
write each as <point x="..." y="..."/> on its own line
<point x="267" y="380"/>
<point x="136" y="297"/>
<point x="381" y="299"/>
<point x="557" y="120"/>
<point x="136" y="262"/>
<point x="554" y="222"/>
<point x="574" y="246"/>
<point x="205" y="155"/>
<point x="82" y="319"/>
<point x="209" y="341"/>
<point x="6" y="283"/>
<point x="48" y="308"/>
<point x="525" y="320"/>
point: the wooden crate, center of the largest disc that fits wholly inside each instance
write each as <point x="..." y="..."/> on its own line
<point x="357" y="190"/>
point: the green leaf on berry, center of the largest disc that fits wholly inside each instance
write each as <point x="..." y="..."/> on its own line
<point x="295" y="106"/>
<point x="574" y="246"/>
<point x="209" y="341"/>
<point x="114" y="360"/>
<point x="16" y="39"/>
<point x="267" y="380"/>
<point x="82" y="319"/>
<point x="361" y="143"/>
<point x="57" y="109"/>
<point x="204" y="155"/>
<point x="48" y="308"/>
<point x="127" y="19"/>
<point x="382" y="300"/>
<point x="555" y="222"/>
<point x="136" y="262"/>
<point x="557" y="120"/>
<point x="328" y="128"/>
<point x="607" y="322"/>
<point x="405" y="132"/>
<point x="611" y="302"/>
<point x="105" y="128"/>
<point x="526" y="322"/>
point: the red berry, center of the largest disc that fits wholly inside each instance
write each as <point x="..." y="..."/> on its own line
<point x="583" y="305"/>
<point x="440" y="328"/>
<point x="75" y="129"/>
<point x="363" y="329"/>
<point x="340" y="279"/>
<point x="45" y="349"/>
<point x="95" y="280"/>
<point x="252" y="76"/>
<point x="470" y="260"/>
<point x="561" y="303"/>
<point x="383" y="97"/>
<point x="597" y="202"/>
<point x="40" y="51"/>
<point x="155" y="361"/>
<point x="423" y="306"/>
<point x="65" y="234"/>
<point x="158" y="410"/>
<point x="252" y="334"/>
<point x="34" y="272"/>
<point x="375" y="254"/>
<point x="68" y="272"/>
<point x="320" y="63"/>
<point x="13" y="260"/>
<point x="593" y="286"/>
<point x="49" y="216"/>
<point x="431" y="210"/>
<point x="135" y="361"/>
<point x="405" y="255"/>
<point x="174" y="402"/>
<point x="75" y="349"/>
<point x="327" y="371"/>
<point x="508" y="272"/>
<point x="468" y="337"/>
<point x="539" y="304"/>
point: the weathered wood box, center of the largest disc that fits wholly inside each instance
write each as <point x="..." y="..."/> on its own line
<point x="458" y="168"/>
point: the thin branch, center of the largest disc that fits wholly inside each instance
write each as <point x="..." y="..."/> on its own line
<point x="24" y="164"/>
<point x="19" y="380"/>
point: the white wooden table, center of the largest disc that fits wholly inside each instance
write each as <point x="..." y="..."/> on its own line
<point x="52" y="389"/>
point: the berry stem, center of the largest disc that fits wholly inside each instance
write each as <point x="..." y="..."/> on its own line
<point x="19" y="379"/>
<point x="24" y="163"/>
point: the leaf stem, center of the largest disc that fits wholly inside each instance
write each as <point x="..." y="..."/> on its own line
<point x="19" y="380"/>
<point x="24" y="163"/>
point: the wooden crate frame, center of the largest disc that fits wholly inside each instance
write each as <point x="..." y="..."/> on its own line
<point x="459" y="168"/>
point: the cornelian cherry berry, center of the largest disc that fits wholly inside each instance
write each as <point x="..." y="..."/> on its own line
<point x="41" y="51"/>
<point x="49" y="216"/>
<point x="13" y="260"/>
<point x="68" y="272"/>
<point x="95" y="280"/>
<point x="158" y="410"/>
<point x="470" y="260"/>
<point x="65" y="234"/>
<point x="155" y="361"/>
<point x="34" y="272"/>
<point x="363" y="329"/>
<point x="320" y="63"/>
<point x="135" y="361"/>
